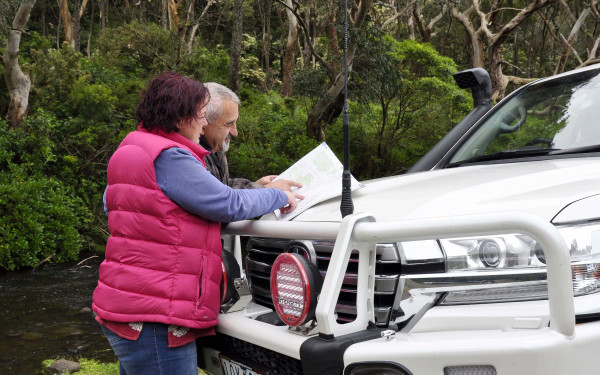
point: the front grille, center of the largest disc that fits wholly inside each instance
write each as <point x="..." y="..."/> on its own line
<point x="278" y="364"/>
<point x="261" y="254"/>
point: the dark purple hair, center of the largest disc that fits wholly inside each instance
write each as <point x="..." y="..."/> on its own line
<point x="168" y="99"/>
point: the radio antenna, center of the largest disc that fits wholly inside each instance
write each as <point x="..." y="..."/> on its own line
<point x="346" y="206"/>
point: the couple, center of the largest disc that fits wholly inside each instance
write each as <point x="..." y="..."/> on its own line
<point x="159" y="284"/>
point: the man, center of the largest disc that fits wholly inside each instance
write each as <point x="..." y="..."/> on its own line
<point x="222" y="113"/>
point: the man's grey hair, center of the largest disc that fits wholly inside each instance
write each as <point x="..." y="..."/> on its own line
<point x="218" y="93"/>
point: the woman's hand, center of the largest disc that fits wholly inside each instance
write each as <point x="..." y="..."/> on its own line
<point x="292" y="202"/>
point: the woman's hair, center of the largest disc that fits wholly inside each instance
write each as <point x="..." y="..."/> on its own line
<point x="168" y="99"/>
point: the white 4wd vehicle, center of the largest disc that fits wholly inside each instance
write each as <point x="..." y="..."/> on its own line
<point x="489" y="263"/>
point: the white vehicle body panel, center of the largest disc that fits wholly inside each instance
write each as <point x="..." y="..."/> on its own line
<point x="542" y="188"/>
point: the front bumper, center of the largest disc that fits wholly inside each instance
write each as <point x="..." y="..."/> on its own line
<point x="514" y="338"/>
<point x="518" y="352"/>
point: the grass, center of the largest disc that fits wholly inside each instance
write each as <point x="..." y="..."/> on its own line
<point x="93" y="367"/>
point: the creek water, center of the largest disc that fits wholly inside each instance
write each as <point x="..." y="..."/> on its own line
<point x="41" y="317"/>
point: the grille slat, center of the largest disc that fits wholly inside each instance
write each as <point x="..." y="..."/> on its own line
<point x="261" y="254"/>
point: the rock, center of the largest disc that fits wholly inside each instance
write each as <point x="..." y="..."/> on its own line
<point x="85" y="310"/>
<point x="62" y="366"/>
<point x="77" y="347"/>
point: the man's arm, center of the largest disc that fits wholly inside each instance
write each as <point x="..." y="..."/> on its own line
<point x="216" y="164"/>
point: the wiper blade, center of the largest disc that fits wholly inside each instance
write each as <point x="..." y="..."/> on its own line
<point x="576" y="150"/>
<point x="505" y="155"/>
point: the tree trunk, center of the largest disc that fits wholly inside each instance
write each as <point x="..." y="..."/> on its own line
<point x="499" y="80"/>
<point x="72" y="23"/>
<point x="67" y="22"/>
<point x="330" y="106"/>
<point x="43" y="18"/>
<point x="236" y="46"/>
<point x="164" y="14"/>
<point x="265" y="10"/>
<point x="305" y="53"/>
<point x="289" y="60"/>
<point x="194" y="29"/>
<point x="88" y="48"/>
<point x="143" y="10"/>
<point x="76" y="44"/>
<point x="475" y="37"/>
<point x="17" y="82"/>
<point x="103" y="5"/>
<point x="560" y="67"/>
<point x="327" y="109"/>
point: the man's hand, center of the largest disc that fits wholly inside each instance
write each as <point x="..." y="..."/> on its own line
<point x="285" y="185"/>
<point x="292" y="202"/>
<point x="266" y="179"/>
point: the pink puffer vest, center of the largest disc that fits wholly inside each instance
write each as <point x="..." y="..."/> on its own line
<point x="162" y="264"/>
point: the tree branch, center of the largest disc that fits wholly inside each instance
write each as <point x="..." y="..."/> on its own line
<point x="330" y="69"/>
<point x="594" y="9"/>
<point x="501" y="35"/>
<point x="482" y="19"/>
<point x="520" y="80"/>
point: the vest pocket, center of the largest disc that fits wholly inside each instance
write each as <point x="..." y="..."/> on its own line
<point x="199" y="288"/>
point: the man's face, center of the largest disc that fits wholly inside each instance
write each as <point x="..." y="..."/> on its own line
<point x="219" y="133"/>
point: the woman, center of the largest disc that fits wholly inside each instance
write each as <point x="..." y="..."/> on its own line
<point x="158" y="288"/>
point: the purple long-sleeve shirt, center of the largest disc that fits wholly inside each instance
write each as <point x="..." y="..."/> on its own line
<point x="186" y="182"/>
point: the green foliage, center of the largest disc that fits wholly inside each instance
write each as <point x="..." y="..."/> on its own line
<point x="53" y="75"/>
<point x="271" y="137"/>
<point x="207" y="65"/>
<point x="82" y="107"/>
<point x="29" y="147"/>
<point x="39" y="218"/>
<point x="399" y="90"/>
<point x="39" y="179"/>
<point x="92" y="101"/>
<point x="137" y="48"/>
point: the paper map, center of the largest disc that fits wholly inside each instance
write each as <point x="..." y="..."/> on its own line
<point x="320" y="173"/>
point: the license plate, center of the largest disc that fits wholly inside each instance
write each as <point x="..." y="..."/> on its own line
<point x="231" y="367"/>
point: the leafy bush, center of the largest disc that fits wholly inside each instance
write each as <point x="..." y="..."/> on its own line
<point x="137" y="48"/>
<point x="271" y="137"/>
<point x="405" y="101"/>
<point x="39" y="218"/>
<point x="53" y="75"/>
<point x="206" y="65"/>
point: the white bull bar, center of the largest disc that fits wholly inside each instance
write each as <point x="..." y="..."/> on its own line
<point x="360" y="232"/>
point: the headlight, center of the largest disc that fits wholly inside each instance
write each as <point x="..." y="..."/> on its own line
<point x="513" y="252"/>
<point x="491" y="253"/>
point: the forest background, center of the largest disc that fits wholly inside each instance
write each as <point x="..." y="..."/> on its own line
<point x="73" y="70"/>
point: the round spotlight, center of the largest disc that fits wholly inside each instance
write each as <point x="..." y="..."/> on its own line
<point x="295" y="285"/>
<point x="231" y="271"/>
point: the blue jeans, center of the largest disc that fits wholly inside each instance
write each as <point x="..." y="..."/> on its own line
<point x="150" y="354"/>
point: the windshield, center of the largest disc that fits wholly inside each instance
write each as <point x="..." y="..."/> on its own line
<point x="550" y="117"/>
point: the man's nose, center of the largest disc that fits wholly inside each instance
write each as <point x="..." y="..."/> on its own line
<point x="233" y="131"/>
